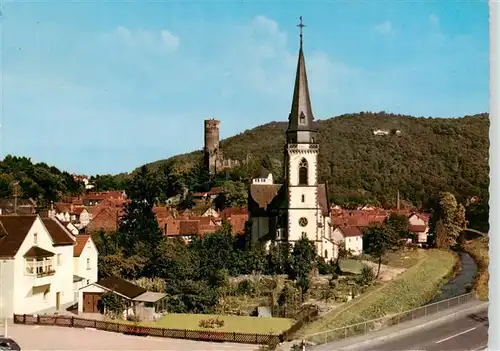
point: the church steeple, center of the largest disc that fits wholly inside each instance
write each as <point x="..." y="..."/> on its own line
<point x="300" y="121"/>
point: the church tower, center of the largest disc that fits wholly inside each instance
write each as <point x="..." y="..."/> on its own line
<point x="301" y="161"/>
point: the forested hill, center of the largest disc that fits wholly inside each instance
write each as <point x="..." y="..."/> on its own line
<point x="428" y="156"/>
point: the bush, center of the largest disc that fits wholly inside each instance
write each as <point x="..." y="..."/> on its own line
<point x="151" y="284"/>
<point x="246" y="287"/>
<point x="211" y="323"/>
<point x="325" y="267"/>
<point x="366" y="277"/>
<point x="114" y="305"/>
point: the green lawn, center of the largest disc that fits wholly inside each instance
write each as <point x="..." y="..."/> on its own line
<point x="351" y="266"/>
<point x="411" y="289"/>
<point x="242" y="324"/>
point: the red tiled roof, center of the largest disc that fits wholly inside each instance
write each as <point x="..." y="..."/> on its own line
<point x="228" y="212"/>
<point x="162" y="212"/>
<point x="104" y="195"/>
<point x="78" y="210"/>
<point x="189" y="227"/>
<point x="62" y="207"/>
<point x="350" y="231"/>
<point x="13" y="231"/>
<point x="418" y="228"/>
<point x="81" y="241"/>
<point x="107" y="219"/>
<point x="60" y="235"/>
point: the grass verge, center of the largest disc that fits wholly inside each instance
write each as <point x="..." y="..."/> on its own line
<point x="478" y="249"/>
<point x="411" y="289"/>
<point x="232" y="324"/>
<point x="351" y="266"/>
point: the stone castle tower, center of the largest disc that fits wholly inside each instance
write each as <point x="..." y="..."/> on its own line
<point x="211" y="149"/>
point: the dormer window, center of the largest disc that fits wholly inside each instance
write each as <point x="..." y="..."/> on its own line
<point x="302" y="118"/>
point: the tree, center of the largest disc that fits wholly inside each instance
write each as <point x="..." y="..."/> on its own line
<point x="279" y="258"/>
<point x="139" y="232"/>
<point x="378" y="240"/>
<point x="399" y="224"/>
<point x="303" y="258"/>
<point x="477" y="215"/>
<point x="448" y="221"/>
<point x="234" y="194"/>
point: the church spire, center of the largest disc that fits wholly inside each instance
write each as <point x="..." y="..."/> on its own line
<point x="300" y="121"/>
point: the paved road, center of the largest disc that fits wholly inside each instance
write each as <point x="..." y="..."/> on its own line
<point x="34" y="338"/>
<point x="466" y="333"/>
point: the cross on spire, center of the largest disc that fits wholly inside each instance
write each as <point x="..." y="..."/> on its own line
<point x="301" y="25"/>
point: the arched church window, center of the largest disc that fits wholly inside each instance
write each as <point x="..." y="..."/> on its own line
<point x="303" y="172"/>
<point x="302" y="118"/>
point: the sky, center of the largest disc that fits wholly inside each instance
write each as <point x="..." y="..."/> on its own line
<point x="103" y="87"/>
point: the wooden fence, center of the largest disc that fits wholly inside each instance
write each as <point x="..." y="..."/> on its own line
<point x="201" y="335"/>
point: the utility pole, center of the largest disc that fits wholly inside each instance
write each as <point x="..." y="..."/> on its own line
<point x="398" y="201"/>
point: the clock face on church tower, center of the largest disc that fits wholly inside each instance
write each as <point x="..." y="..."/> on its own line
<point x="303" y="221"/>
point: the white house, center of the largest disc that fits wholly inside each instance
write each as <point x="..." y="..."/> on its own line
<point x="419" y="226"/>
<point x="352" y="237"/>
<point x="85" y="256"/>
<point x="36" y="274"/>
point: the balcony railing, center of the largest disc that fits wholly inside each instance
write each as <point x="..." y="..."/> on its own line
<point x="39" y="268"/>
<point x="303" y="146"/>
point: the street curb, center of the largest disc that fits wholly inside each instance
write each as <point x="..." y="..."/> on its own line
<point x="413" y="329"/>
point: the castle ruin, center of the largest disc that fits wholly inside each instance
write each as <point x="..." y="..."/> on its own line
<point x="213" y="156"/>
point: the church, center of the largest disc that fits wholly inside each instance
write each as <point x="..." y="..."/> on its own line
<point x="299" y="207"/>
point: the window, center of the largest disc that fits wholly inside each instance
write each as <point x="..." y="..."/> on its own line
<point x="59" y="259"/>
<point x="35" y="239"/>
<point x="88" y="281"/>
<point x="326" y="253"/>
<point x="303" y="198"/>
<point x="303" y="172"/>
<point x="304" y="234"/>
<point x="302" y="118"/>
<point x="88" y="263"/>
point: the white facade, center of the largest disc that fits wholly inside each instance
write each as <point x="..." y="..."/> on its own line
<point x="303" y="199"/>
<point x="415" y="220"/>
<point x="85" y="218"/>
<point x="22" y="289"/>
<point x="85" y="266"/>
<point x="353" y="243"/>
<point x="267" y="180"/>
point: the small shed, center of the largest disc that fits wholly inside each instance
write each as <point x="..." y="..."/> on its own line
<point x="141" y="303"/>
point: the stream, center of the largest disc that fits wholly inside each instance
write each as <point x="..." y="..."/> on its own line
<point x="460" y="283"/>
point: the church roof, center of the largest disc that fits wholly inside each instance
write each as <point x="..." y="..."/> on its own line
<point x="301" y="102"/>
<point x="323" y="199"/>
<point x="263" y="194"/>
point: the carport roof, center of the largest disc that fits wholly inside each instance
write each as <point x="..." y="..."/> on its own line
<point x="150" y="296"/>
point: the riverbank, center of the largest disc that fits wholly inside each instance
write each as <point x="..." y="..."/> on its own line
<point x="460" y="280"/>
<point x="478" y="248"/>
<point x="411" y="289"/>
